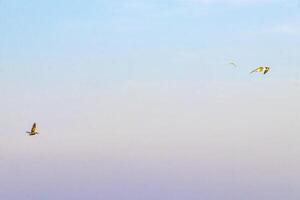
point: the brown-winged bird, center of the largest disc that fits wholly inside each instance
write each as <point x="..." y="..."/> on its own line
<point x="33" y="130"/>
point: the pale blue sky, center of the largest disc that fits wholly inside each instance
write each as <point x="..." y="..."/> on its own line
<point x="136" y="99"/>
<point x="121" y="40"/>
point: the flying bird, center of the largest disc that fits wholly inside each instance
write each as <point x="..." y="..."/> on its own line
<point x="233" y="64"/>
<point x="33" y="130"/>
<point x="263" y="70"/>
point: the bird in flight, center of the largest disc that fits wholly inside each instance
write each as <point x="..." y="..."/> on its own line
<point x="263" y="70"/>
<point x="33" y="130"/>
<point x="233" y="64"/>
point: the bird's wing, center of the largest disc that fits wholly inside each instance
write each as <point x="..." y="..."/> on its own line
<point x="232" y="63"/>
<point x="254" y="70"/>
<point x="33" y="128"/>
<point x="258" y="69"/>
<point x="266" y="71"/>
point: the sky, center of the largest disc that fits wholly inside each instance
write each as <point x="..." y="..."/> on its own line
<point x="137" y="99"/>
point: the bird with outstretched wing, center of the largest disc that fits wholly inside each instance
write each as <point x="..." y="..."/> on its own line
<point x="33" y="130"/>
<point x="261" y="69"/>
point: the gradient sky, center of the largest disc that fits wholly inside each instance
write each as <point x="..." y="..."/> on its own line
<point x="136" y="100"/>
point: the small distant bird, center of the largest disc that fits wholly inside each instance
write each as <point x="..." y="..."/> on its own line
<point x="233" y="64"/>
<point x="263" y="70"/>
<point x="32" y="132"/>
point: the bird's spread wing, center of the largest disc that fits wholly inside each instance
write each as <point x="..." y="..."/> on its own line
<point x="266" y="71"/>
<point x="232" y="63"/>
<point x="33" y="128"/>
<point x="258" y="69"/>
<point x="253" y="71"/>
